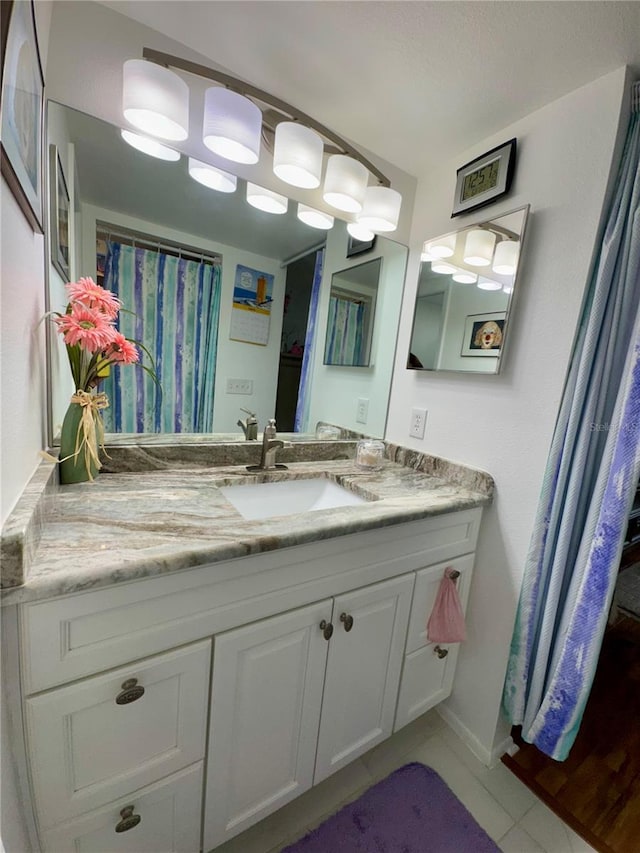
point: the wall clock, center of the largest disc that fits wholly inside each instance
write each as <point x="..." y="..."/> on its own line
<point x="485" y="179"/>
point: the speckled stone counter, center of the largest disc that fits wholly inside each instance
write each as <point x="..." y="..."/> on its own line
<point x="143" y="523"/>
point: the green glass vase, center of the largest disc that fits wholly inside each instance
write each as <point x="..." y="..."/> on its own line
<point x="74" y="469"/>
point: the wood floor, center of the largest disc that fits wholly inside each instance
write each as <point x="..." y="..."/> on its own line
<point x="597" y="789"/>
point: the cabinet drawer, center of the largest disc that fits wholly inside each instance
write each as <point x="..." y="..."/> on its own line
<point x="424" y="596"/>
<point x="86" y="749"/>
<point x="169" y="813"/>
<point x="426" y="680"/>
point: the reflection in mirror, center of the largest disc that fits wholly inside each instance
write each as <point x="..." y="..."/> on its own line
<point x="465" y="295"/>
<point x="132" y="214"/>
<point x="352" y="304"/>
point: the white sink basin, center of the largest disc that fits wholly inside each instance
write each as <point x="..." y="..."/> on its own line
<point x="287" y="497"/>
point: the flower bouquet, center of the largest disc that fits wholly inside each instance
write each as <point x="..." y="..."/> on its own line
<point x="93" y="344"/>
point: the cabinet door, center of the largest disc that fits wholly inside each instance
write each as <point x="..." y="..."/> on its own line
<point x="265" y="710"/>
<point x="363" y="671"/>
<point x="169" y="821"/>
<point x="429" y="668"/>
<point x="88" y="745"/>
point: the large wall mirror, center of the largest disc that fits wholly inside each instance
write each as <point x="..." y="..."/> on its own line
<point x="129" y="208"/>
<point x="467" y="284"/>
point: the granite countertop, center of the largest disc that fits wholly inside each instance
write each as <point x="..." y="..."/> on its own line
<point x="141" y="523"/>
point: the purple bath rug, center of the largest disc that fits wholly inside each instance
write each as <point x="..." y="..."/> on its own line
<point x="411" y="811"/>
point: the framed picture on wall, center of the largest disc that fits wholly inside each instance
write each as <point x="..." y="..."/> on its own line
<point x="357" y="247"/>
<point x="59" y="215"/>
<point x="483" y="334"/>
<point x="22" y="109"/>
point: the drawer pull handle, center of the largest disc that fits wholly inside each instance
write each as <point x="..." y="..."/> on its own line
<point x="327" y="629"/>
<point x="129" y="819"/>
<point x="131" y="691"/>
<point x="442" y="653"/>
<point x="347" y="621"/>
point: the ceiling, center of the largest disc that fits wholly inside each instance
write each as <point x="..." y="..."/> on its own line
<point x="414" y="82"/>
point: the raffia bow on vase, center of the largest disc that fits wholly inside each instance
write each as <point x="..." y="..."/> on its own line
<point x="81" y="435"/>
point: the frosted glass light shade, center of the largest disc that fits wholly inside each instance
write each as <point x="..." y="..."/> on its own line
<point x="442" y="267"/>
<point x="380" y="209"/>
<point x="488" y="284"/>
<point x="232" y="125"/>
<point x="345" y="183"/>
<point x="297" y="155"/>
<point x="150" y="146"/>
<point x="155" y="100"/>
<point x="215" y="179"/>
<point x="266" y="200"/>
<point x="442" y="248"/>
<point x="359" y="232"/>
<point x="315" y="218"/>
<point x="478" y="248"/>
<point x="464" y="277"/>
<point x="505" y="259"/>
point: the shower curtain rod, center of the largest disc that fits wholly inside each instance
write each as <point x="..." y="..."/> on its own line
<point x="147" y="241"/>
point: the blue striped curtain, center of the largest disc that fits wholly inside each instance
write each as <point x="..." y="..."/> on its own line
<point x="344" y="344"/>
<point x="590" y="480"/>
<point x="176" y="305"/>
<point x="304" y="388"/>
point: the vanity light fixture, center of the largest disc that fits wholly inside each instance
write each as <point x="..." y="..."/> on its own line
<point x="150" y="146"/>
<point x="155" y="100"/>
<point x="505" y="259"/>
<point x="359" y="232"/>
<point x="488" y="284"/>
<point x="508" y="288"/>
<point x="297" y="155"/>
<point x="211" y="177"/>
<point x="444" y="247"/>
<point x="315" y="218"/>
<point x="442" y="267"/>
<point x="464" y="277"/>
<point x="478" y="247"/>
<point x="239" y="117"/>
<point x="345" y="183"/>
<point x="380" y="209"/>
<point x="266" y="200"/>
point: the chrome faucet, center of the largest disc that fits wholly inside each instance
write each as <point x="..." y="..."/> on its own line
<point x="249" y="426"/>
<point x="270" y="446"/>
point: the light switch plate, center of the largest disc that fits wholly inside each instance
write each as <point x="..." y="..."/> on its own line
<point x="418" y="423"/>
<point x="240" y="386"/>
<point x="362" y="410"/>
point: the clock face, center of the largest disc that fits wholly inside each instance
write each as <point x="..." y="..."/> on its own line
<point x="480" y="180"/>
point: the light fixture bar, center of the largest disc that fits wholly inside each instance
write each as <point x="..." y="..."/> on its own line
<point x="242" y="88"/>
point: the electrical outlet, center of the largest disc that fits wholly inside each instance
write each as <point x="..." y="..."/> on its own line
<point x="418" y="423"/>
<point x="240" y="386"/>
<point x="362" y="410"/>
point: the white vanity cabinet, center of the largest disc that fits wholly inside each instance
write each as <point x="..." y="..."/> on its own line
<point x="262" y="676"/>
<point x="296" y="697"/>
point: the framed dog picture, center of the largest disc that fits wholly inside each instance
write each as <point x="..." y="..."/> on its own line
<point x="483" y="334"/>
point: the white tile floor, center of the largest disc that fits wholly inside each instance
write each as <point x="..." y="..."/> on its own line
<point x="507" y="810"/>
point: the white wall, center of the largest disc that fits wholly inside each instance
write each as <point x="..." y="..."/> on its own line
<point x="465" y="300"/>
<point x="504" y="423"/>
<point x="235" y="360"/>
<point x="335" y="390"/>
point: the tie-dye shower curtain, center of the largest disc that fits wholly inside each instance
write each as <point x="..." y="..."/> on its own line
<point x="175" y="305"/>
<point x="590" y="480"/>
<point x="345" y="339"/>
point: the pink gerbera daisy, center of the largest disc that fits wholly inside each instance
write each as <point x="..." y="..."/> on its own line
<point x="122" y="350"/>
<point x="91" y="295"/>
<point x="89" y="328"/>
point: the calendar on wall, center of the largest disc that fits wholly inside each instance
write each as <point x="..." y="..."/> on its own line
<point x="251" y="311"/>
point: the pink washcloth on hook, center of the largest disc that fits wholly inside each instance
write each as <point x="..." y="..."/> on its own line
<point x="446" y="623"/>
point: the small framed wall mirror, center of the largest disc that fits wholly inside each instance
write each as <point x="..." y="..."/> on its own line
<point x="467" y="284"/>
<point x="352" y="306"/>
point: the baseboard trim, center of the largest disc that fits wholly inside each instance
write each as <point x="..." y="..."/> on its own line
<point x="488" y="757"/>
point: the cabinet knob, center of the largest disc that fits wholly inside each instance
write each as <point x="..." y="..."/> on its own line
<point x="442" y="653"/>
<point x="131" y="691"/>
<point x="129" y="819"/>
<point x="327" y="629"/>
<point x="347" y="621"/>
